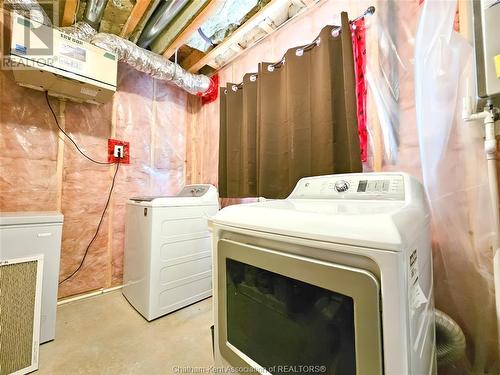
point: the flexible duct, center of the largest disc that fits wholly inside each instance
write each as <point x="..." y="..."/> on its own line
<point x="30" y="9"/>
<point x="450" y="340"/>
<point x="152" y="63"/>
<point x="80" y="30"/>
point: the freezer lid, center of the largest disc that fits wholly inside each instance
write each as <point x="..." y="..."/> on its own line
<point x="34" y="217"/>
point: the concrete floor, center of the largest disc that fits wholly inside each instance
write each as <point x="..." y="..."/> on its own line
<point x="105" y="335"/>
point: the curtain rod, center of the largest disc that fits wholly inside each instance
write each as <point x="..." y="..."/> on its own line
<point x="336" y="29"/>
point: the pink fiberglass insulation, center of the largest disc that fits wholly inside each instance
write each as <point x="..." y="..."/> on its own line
<point x="150" y="115"/>
<point x="28" y="145"/>
<point x="85" y="189"/>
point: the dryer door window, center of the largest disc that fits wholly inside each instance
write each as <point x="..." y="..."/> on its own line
<point x="291" y="315"/>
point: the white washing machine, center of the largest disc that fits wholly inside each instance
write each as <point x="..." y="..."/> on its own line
<point x="168" y="253"/>
<point x="23" y="234"/>
<point x="335" y="279"/>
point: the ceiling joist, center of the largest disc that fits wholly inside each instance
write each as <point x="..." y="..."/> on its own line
<point x="254" y="21"/>
<point x="181" y="21"/>
<point x="69" y="14"/>
<point x="133" y="20"/>
<point x="196" y="23"/>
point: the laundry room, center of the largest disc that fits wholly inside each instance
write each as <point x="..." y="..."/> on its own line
<point x="250" y="186"/>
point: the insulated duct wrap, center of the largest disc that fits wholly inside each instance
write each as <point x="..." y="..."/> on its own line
<point x="28" y="8"/>
<point x="80" y="30"/>
<point x="31" y="9"/>
<point x="151" y="63"/>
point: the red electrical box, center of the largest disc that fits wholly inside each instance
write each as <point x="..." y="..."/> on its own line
<point x="113" y="156"/>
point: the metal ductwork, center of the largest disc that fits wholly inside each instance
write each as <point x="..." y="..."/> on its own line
<point x="94" y="12"/>
<point x="162" y="16"/>
<point x="450" y="340"/>
<point x="152" y="63"/>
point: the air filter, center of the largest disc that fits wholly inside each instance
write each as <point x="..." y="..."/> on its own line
<point x="20" y="299"/>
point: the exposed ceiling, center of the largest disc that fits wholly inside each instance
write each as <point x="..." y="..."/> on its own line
<point x="206" y="33"/>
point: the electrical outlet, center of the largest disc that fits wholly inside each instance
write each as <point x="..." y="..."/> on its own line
<point x="117" y="148"/>
<point x="118" y="151"/>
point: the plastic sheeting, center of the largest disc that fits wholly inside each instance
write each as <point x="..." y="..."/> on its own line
<point x="150" y="114"/>
<point x="453" y="166"/>
<point x="455" y="177"/>
<point x="28" y="150"/>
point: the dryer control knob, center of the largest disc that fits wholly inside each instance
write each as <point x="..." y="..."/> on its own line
<point x="341" y="186"/>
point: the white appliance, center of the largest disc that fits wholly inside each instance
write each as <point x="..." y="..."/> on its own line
<point x="487" y="43"/>
<point x="24" y="234"/>
<point x="335" y="279"/>
<point x="20" y="283"/>
<point x="46" y="59"/>
<point x="168" y="254"/>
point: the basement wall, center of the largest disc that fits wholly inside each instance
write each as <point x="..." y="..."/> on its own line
<point x="40" y="172"/>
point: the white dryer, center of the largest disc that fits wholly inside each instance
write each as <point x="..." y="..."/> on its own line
<point x="335" y="279"/>
<point x="168" y="253"/>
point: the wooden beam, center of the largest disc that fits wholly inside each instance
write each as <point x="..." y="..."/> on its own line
<point x="192" y="58"/>
<point x="235" y="37"/>
<point x="180" y="22"/>
<point x="133" y="20"/>
<point x="266" y="27"/>
<point x="185" y="34"/>
<point x="69" y="14"/>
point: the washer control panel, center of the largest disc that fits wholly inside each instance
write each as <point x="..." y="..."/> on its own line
<point x="193" y="191"/>
<point x="367" y="186"/>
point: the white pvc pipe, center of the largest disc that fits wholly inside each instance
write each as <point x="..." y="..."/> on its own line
<point x="490" y="148"/>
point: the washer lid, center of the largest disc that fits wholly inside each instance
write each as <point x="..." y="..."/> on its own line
<point x="190" y="195"/>
<point x="35" y="217"/>
<point x="324" y="215"/>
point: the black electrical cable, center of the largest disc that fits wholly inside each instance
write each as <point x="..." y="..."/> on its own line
<point x="68" y="136"/>
<point x="98" y="226"/>
<point x="109" y="195"/>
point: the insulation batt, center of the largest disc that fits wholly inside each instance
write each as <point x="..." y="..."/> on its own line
<point x="151" y="63"/>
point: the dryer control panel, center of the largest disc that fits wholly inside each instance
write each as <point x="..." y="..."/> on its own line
<point x="362" y="186"/>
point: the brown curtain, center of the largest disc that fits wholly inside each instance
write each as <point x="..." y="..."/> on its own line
<point x="296" y="120"/>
